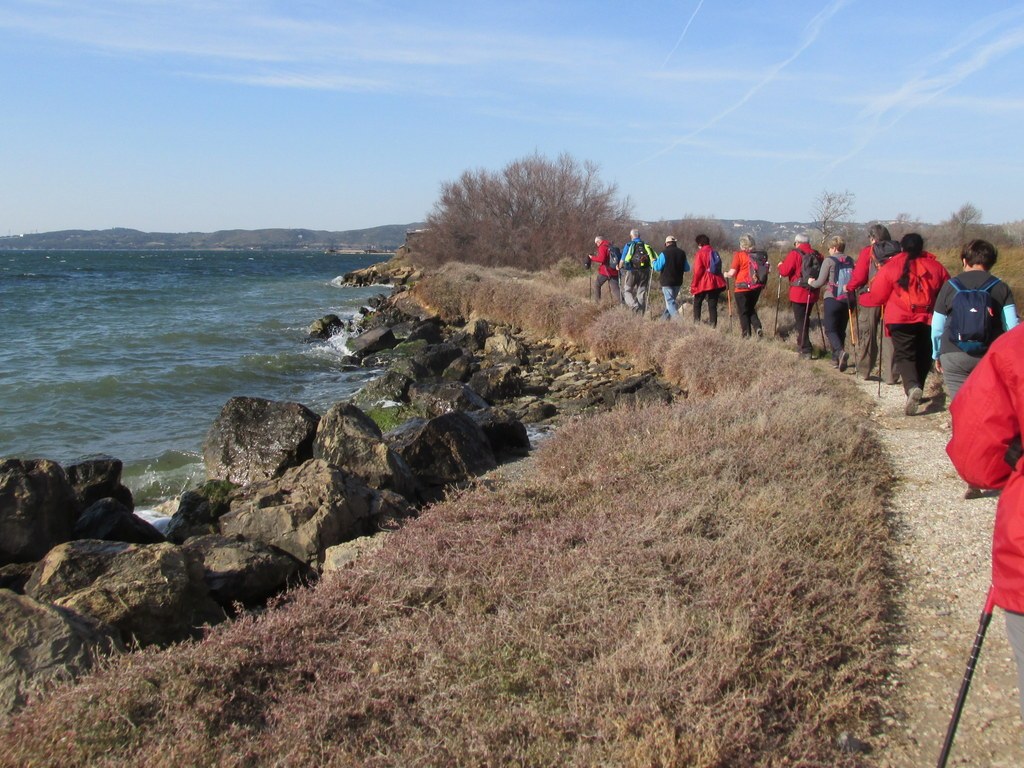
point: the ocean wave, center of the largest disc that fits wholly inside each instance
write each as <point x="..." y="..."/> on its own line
<point x="154" y="481"/>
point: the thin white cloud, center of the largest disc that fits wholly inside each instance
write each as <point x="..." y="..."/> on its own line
<point x="683" y="33"/>
<point x="811" y="33"/>
<point x="945" y="71"/>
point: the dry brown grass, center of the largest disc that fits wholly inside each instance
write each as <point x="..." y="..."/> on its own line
<point x="698" y="584"/>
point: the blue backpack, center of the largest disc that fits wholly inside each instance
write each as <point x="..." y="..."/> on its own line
<point x="715" y="264"/>
<point x="842" y="274"/>
<point x="973" y="321"/>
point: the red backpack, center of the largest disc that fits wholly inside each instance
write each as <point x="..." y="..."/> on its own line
<point x="919" y="297"/>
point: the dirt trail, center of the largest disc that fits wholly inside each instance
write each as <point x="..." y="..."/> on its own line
<point x="942" y="568"/>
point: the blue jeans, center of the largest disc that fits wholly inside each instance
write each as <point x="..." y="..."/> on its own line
<point x="670" y="292"/>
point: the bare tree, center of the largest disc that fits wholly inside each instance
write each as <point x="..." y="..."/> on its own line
<point x="530" y="214"/>
<point x="831" y="210"/>
<point x="962" y="220"/>
<point x="903" y="224"/>
<point x="686" y="229"/>
<point x="1015" y="230"/>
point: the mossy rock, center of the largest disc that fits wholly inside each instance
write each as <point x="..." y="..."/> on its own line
<point x="389" y="418"/>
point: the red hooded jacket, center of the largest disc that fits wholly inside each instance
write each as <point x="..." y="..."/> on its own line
<point x="703" y="279"/>
<point x="601" y="259"/>
<point x="885" y="291"/>
<point x="988" y="413"/>
<point x="792" y="267"/>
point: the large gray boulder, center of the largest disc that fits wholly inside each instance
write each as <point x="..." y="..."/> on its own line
<point x="199" y="510"/>
<point x="146" y="591"/>
<point x="41" y="643"/>
<point x="390" y="387"/>
<point x="373" y="340"/>
<point x="98" y="478"/>
<point x="442" y="451"/>
<point x="498" y="382"/>
<point x="506" y="434"/>
<point x="437" y="357"/>
<point x="238" y="571"/>
<point x="255" y="439"/>
<point x="445" y="397"/>
<point x="307" y="510"/>
<point x="110" y="520"/>
<point x="37" y="509"/>
<point x="351" y="440"/>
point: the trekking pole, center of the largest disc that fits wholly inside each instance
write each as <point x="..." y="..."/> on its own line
<point x="821" y="326"/>
<point x="778" y="300"/>
<point x="881" y="338"/>
<point x="728" y="300"/>
<point x="852" y="314"/>
<point x="647" y="293"/>
<point x="972" y="660"/>
<point x="806" y="329"/>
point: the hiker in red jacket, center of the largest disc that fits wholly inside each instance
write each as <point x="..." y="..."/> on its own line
<point x="708" y="282"/>
<point x="988" y="416"/>
<point x="605" y="273"/>
<point x="801" y="296"/>
<point x="906" y="287"/>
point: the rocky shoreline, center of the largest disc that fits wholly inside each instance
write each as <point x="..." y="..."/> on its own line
<point x="292" y="494"/>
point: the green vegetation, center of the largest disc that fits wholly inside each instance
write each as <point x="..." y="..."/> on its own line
<point x="699" y="584"/>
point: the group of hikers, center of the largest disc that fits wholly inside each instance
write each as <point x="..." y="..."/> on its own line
<point x="904" y="311"/>
<point x="895" y="302"/>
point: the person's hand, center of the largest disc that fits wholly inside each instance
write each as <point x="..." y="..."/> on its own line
<point x="938" y="365"/>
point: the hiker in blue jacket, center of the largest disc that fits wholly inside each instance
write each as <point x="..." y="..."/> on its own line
<point x="635" y="272"/>
<point x="955" y="360"/>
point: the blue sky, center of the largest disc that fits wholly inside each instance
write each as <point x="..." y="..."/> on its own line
<point x="196" y="115"/>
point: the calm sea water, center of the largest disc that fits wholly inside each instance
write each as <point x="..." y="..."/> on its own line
<point x="132" y="354"/>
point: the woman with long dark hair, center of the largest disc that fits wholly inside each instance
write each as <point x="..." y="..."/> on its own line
<point x="906" y="288"/>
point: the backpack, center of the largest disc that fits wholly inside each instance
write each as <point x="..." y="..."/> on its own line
<point x="758" y="268"/>
<point x="810" y="268"/>
<point x="640" y="259"/>
<point x="881" y="252"/>
<point x="919" y="296"/>
<point x="842" y="273"/>
<point x="715" y="264"/>
<point x="614" y="254"/>
<point x="973" y="321"/>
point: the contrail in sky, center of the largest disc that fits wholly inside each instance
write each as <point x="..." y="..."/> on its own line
<point x="813" y="30"/>
<point x="889" y="109"/>
<point x="681" y="36"/>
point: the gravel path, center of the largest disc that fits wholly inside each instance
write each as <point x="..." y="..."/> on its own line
<point x="941" y="572"/>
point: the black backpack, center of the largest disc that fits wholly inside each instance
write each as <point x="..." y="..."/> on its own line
<point x="614" y="254"/>
<point x="881" y="252"/>
<point x="640" y="258"/>
<point x="758" y="270"/>
<point x="973" y="321"/>
<point x="810" y="268"/>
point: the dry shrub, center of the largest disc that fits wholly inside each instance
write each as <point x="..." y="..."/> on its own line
<point x="698" y="584"/>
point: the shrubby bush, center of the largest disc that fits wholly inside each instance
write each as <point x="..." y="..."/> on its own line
<point x="531" y="214"/>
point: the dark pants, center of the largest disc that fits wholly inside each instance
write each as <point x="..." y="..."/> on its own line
<point x="837" y="318"/>
<point x="802" y="318"/>
<point x="712" y="297"/>
<point x="911" y="353"/>
<point x="746" y="307"/>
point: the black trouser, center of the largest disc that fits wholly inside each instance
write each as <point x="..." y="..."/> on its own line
<point x="746" y="303"/>
<point x="911" y="352"/>
<point x="712" y="297"/>
<point x="837" y="318"/>
<point x="802" y="318"/>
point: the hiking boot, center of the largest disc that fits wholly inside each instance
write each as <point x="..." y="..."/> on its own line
<point x="844" y="361"/>
<point x="973" y="493"/>
<point x="913" y="401"/>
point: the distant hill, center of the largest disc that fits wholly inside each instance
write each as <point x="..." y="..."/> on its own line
<point x="385" y="238"/>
